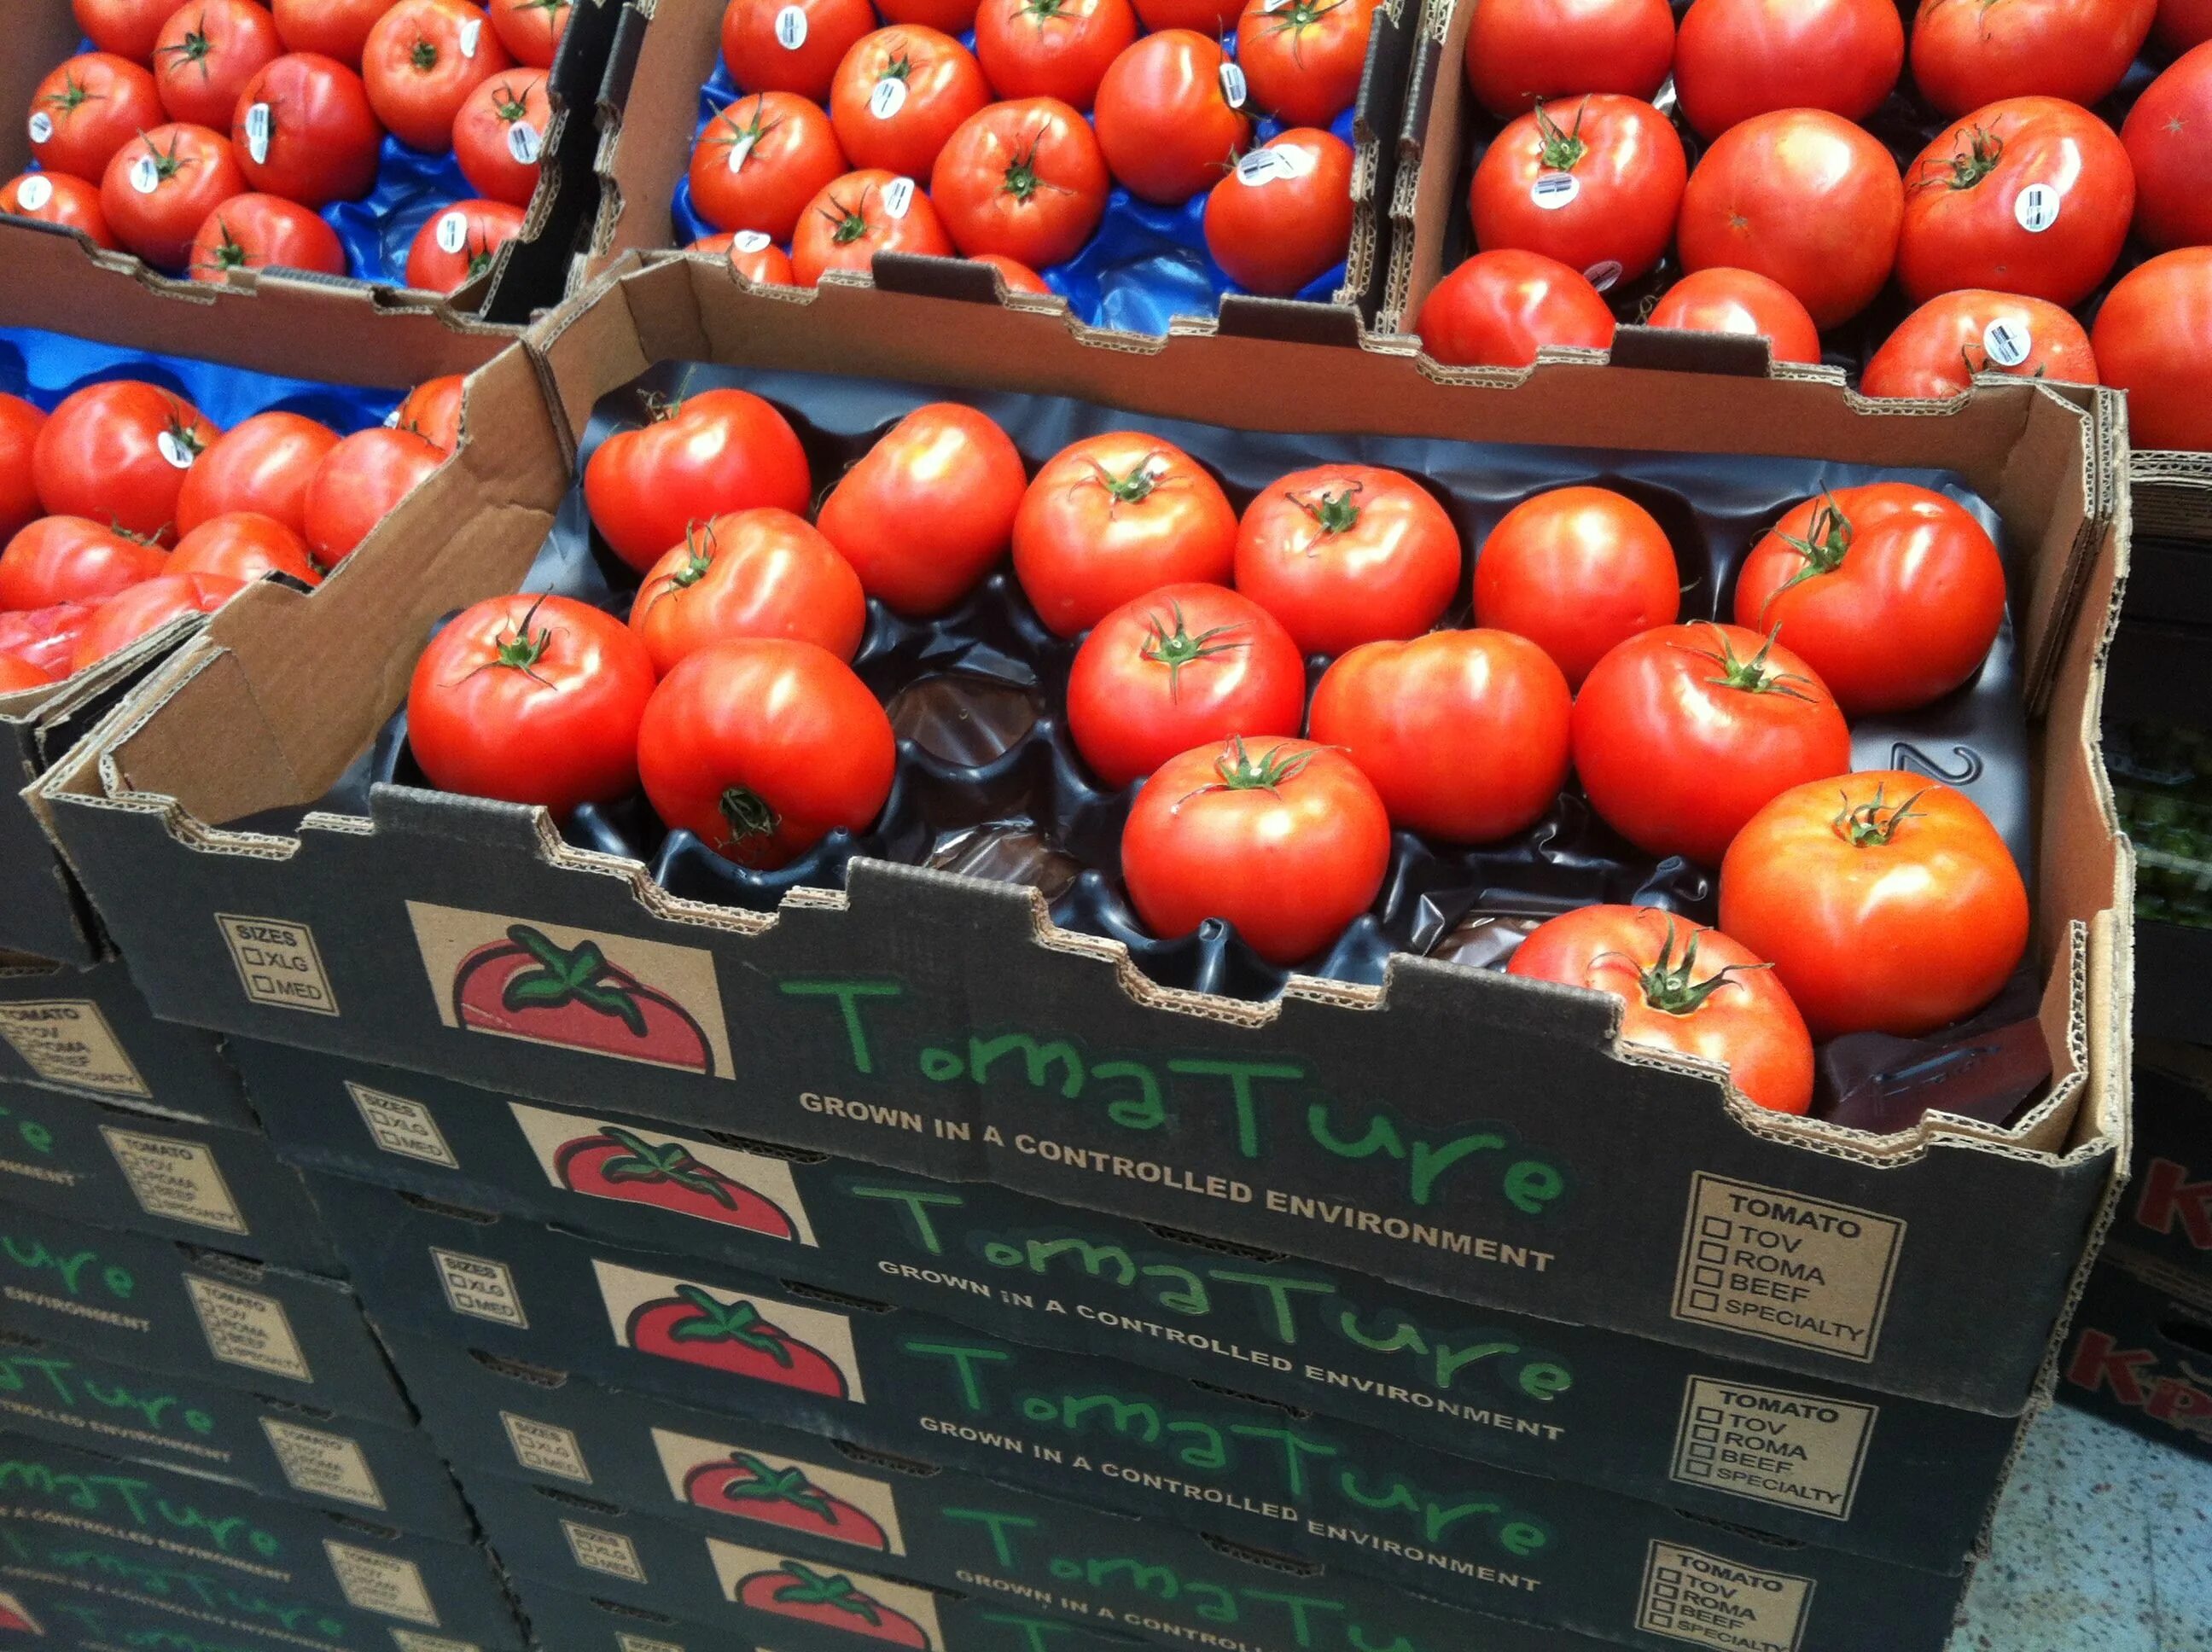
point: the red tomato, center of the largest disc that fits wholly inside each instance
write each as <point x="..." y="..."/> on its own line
<point x="751" y="573"/>
<point x="55" y="197"/>
<point x="20" y="424"/>
<point x="762" y="747"/>
<point x="144" y="609"/>
<point x="208" y="51"/>
<point x="2168" y="136"/>
<point x="1966" y="53"/>
<point x="2182" y="24"/>
<point x="1016" y="277"/>
<point x="1886" y="902"/>
<point x="72" y="559"/>
<point x="500" y="134"/>
<point x="118" y="452"/>
<point x="718" y="452"/>
<point x="358" y="483"/>
<point x="751" y="254"/>
<point x="263" y="465"/>
<point x="1284" y="838"/>
<point x="1498" y="309"/>
<point x="953" y="17"/>
<point x="459" y="245"/>
<point x="1684" y="732"/>
<point x="1464" y="734"/>
<point x="792" y="45"/>
<point x="161" y="186"/>
<point x="530" y="700"/>
<point x="761" y="161"/>
<point x="1213" y="17"/>
<point x="1303" y="58"/>
<point x="858" y="215"/>
<point x="531" y="30"/>
<point x="17" y="673"/>
<point x="254" y="232"/>
<point x="1113" y="517"/>
<point x="1744" y="302"/>
<point x="1186" y="665"/>
<point x="1052" y="48"/>
<point x="1025" y="179"/>
<point x="1685" y="989"/>
<point x="1518" y="51"/>
<point x="433" y="411"/>
<point x="335" y="28"/>
<point x="1576" y="571"/>
<point x="43" y="638"/>
<point x="2153" y="340"/>
<point x="1165" y="117"/>
<point x="1283" y="217"/>
<point x="129" y="28"/>
<point x="929" y="509"/>
<point x="1593" y="182"/>
<point x="900" y="93"/>
<point x="88" y="109"/>
<point x="303" y="129"/>
<point x="1737" y="59"/>
<point x="1347" y="554"/>
<point x="422" y="61"/>
<point x="1803" y="198"/>
<point x="1936" y="350"/>
<point x="244" y="545"/>
<point x="2029" y="196"/>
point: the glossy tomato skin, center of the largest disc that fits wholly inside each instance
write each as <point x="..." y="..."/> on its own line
<point x="505" y="118"/>
<point x="1282" y="218"/>
<point x="1803" y="197"/>
<point x="91" y="106"/>
<point x="254" y="232"/>
<point x="761" y="161"/>
<point x="531" y="30"/>
<point x="1113" y="517"/>
<point x="263" y="465"/>
<point x="1305" y="58"/>
<point x="1627" y="170"/>
<point x="422" y="59"/>
<point x="332" y="28"/>
<point x="858" y="215"/>
<point x="20" y="424"/>
<point x="127" y="27"/>
<point x="43" y="638"/>
<point x="1167" y="126"/>
<point x="1937" y="349"/>
<point x="1683" y="987"/>
<point x="900" y="93"/>
<point x="1885" y="902"/>
<point x="1576" y="571"/>
<point x="751" y="574"/>
<point x="764" y="746"/>
<point x="953" y="17"/>
<point x="1185" y="665"/>
<point x="1744" y="302"/>
<point x="1284" y="838"/>
<point x="1210" y="17"/>
<point x="458" y="245"/>
<point x="1052" y="48"/>
<point x="1965" y="222"/>
<point x="1684" y="732"/>
<point x="159" y="187"/>
<point x="433" y="411"/>
<point x="530" y="699"/>
<point x="2168" y="136"/>
<point x="356" y="486"/>
<point x="751" y="254"/>
<point x="2153" y="340"/>
<point x="760" y="62"/>
<point x="1737" y="59"/>
<point x="1966" y="53"/>
<point x="145" y="607"/>
<point x="718" y="452"/>
<point x="1518" y="51"/>
<point x="2182" y="24"/>
<point x="929" y="509"/>
<point x="323" y="140"/>
<point x="1025" y="179"/>
<point x="118" y="453"/>
<point x="1017" y="276"/>
<point x="1464" y="734"/>
<point x="208" y="51"/>
<point x="17" y="674"/>
<point x="55" y="197"/>
<point x="1347" y="554"/>
<point x="244" y="545"/>
<point x="1497" y="309"/>
<point x="71" y="559"/>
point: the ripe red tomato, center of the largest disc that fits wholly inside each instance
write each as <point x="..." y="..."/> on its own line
<point x="929" y="509"/>
<point x="88" y="109"/>
<point x="356" y="486"/>
<point x="17" y="673"/>
<point x="1014" y="276"/>
<point x="1463" y="732"/>
<point x="1803" y="198"/>
<point x="459" y="245"/>
<point x="1966" y="53"/>
<point x="718" y="452"/>
<point x="953" y="17"/>
<point x="2153" y="340"/>
<point x="1518" y="51"/>
<point x="2168" y="136"/>
<point x="161" y="186"/>
<point x="751" y="574"/>
<point x="1347" y="554"/>
<point x="858" y="215"/>
<point x="129" y="28"/>
<point x="2028" y="195"/>
<point x="531" y="30"/>
<point x="1737" y="59"/>
<point x="303" y="129"/>
<point x="20" y="424"/>
<point x="422" y="59"/>
<point x="1025" y="179"/>
<point x="1576" y="571"/>
<point x="1211" y="17"/>
<point x="751" y="254"/>
<point x="1685" y="989"/>
<point x="1936" y="350"/>
<point x="72" y="559"/>
<point x="143" y="609"/>
<point x="263" y="465"/>
<point x="244" y="545"/>
<point x="55" y="197"/>
<point x="1165" y="117"/>
<point x="530" y="700"/>
<point x="900" y="93"/>
<point x="1684" y="732"/>
<point x="1188" y="665"/>
<point x="1283" y="217"/>
<point x="1886" y="901"/>
<point x="1052" y="48"/>
<point x="764" y="746"/>
<point x="433" y="411"/>
<point x="1284" y="838"/>
<point x="1744" y="302"/>
<point x="334" y="28"/>
<point x="500" y="133"/>
<point x="1303" y="58"/>
<point x="208" y="51"/>
<point x="792" y="45"/>
<point x="2181" y="25"/>
<point x="43" y="638"/>
<point x="1497" y="309"/>
<point x="254" y="232"/>
<point x="761" y="161"/>
<point x="1593" y="182"/>
<point x="118" y="453"/>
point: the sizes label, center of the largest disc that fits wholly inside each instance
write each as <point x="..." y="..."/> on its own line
<point x="482" y="1289"/>
<point x="1771" y="1445"/>
<point x="602" y="1550"/>
<point x="1785" y="1268"/>
<point x="401" y="1126"/>
<point x="545" y="1447"/>
<point x="278" y="963"/>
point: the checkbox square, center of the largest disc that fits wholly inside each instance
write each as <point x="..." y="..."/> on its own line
<point x="1661" y="1619"/>
<point x="1714" y="1227"/>
<point x="1698" y="1469"/>
<point x="1667" y="1574"/>
<point x="1665" y="1592"/>
<point x="1706" y="1301"/>
<point x="1705" y="1432"/>
<point x="1708" y="1414"/>
<point x="1706" y="1276"/>
<point x="1710" y="1250"/>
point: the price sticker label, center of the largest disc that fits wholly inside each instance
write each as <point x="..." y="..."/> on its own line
<point x="898" y="196"/>
<point x="145" y="175"/>
<point x="525" y="142"/>
<point x="257" y="133"/>
<point x="2036" y="207"/>
<point x="1234" y="90"/>
<point x="1259" y="167"/>
<point x="173" y="449"/>
<point x="471" y="32"/>
<point x="888" y="99"/>
<point x="33" y="192"/>
<point x="453" y="231"/>
<point x="1552" y="190"/>
<point x="1603" y="274"/>
<point x="2006" y="344"/>
<point x="42" y="126"/>
<point x="749" y="242"/>
<point x="791" y="28"/>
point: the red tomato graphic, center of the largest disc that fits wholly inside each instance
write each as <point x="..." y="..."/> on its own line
<point x="825" y="1598"/>
<point x="742" y="1485"/>
<point x="529" y="986"/>
<point x="694" y="1327"/>
<point x="619" y="1164"/>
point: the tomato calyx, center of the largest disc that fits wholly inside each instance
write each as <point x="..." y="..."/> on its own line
<point x="698" y="560"/>
<point x="768" y="1485"/>
<point x="507" y="105"/>
<point x="1669" y="984"/>
<point x="1134" y="487"/>
<point x="72" y="96"/>
<point x="552" y="8"/>
<point x="521" y="650"/>
<point x="851" y="221"/>
<point x="1752" y="675"/>
<point x="1044" y="11"/>
<point x="181" y="428"/>
<point x="1872" y="824"/>
<point x="814" y="1588"/>
<point x="1022" y="179"/>
<point x="898" y="68"/>
<point x="167" y="163"/>
<point x="229" y="253"/>
<point x="1984" y="365"/>
<point x="1965" y="168"/>
<point x="1332" y="513"/>
<point x="1828" y="541"/>
<point x="1239" y="771"/>
<point x="1179" y="648"/>
<point x="747" y="137"/>
<point x="643" y="1161"/>
<point x="1299" y="16"/>
<point x="568" y="975"/>
<point x="1559" y="150"/>
<point x="720" y="1321"/>
<point x="424" y="58"/>
<point x="749" y="816"/>
<point x="194" y="48"/>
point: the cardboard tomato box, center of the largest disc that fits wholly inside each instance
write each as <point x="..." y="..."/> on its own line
<point x="89" y="1032"/>
<point x="93" y="1597"/>
<point x="2141" y="1350"/>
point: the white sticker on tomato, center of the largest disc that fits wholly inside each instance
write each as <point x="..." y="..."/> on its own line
<point x="471" y="32"/>
<point x="749" y="242"/>
<point x="33" y="192"/>
<point x="2006" y="344"/>
<point x="898" y="196"/>
<point x="742" y="150"/>
<point x="2036" y="207"/>
<point x="888" y="99"/>
<point x="452" y="232"/>
<point x="257" y="133"/>
<point x="145" y="175"/>
<point x="791" y="28"/>
<point x="525" y="142"/>
<point x="174" y="450"/>
<point x="392" y="420"/>
<point x="1552" y="190"/>
<point x="42" y="126"/>
<point x="1233" y="88"/>
<point x="1258" y="167"/>
<point x="1603" y="274"/>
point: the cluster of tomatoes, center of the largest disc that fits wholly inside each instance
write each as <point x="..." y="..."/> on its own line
<point x="208" y="135"/>
<point x="1795" y="218"/>
<point x="729" y="696"/>
<point x="125" y="508"/>
<point x="854" y="138"/>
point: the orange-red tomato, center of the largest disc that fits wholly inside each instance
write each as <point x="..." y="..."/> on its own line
<point x="751" y="573"/>
<point x="792" y="45"/>
<point x="1576" y="571"/>
<point x="1595" y="182"/>
<point x="17" y="673"/>
<point x="1166" y="118"/>
<point x="127" y="27"/>
<point x="900" y="93"/>
<point x="929" y="509"/>
<point x="422" y="60"/>
<point x="1737" y="59"/>
<point x="1303" y="58"/>
<point x="334" y="28"/>
<point x="160" y="188"/>
<point x="244" y="545"/>
<point x="118" y="453"/>
<point x="2168" y="136"/>
<point x="255" y="232"/>
<point x="1052" y="48"/>
<point x="1969" y="52"/>
<point x="433" y="411"/>
<point x="1518" y="51"/>
<point x="1938" y="349"/>
<point x="1497" y="309"/>
<point x="72" y="559"/>
<point x="1024" y="179"/>
<point x="1347" y="554"/>
<point x="358" y="483"/>
<point x="499" y="135"/>
<point x="89" y="107"/>
<point x="1283" y="217"/>
<point x="1740" y="301"/>
<point x="761" y="161"/>
<point x="1016" y="277"/>
<point x="145" y="607"/>
<point x="55" y="197"/>
<point x="263" y="465"/>
<point x="717" y="452"/>
<point x="2153" y="340"/>
<point x="532" y="30"/>
<point x="208" y="51"/>
<point x="858" y="215"/>
<point x="20" y="424"/>
<point x="459" y="245"/>
<point x="749" y="253"/>
<point x="303" y="128"/>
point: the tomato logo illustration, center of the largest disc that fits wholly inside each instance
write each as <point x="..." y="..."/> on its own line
<point x="13" y="1616"/>
<point x="530" y="987"/>
<point x="797" y="1590"/>
<point x="619" y="1164"/>
<point x="694" y="1327"/>
<point x="742" y="1485"/>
